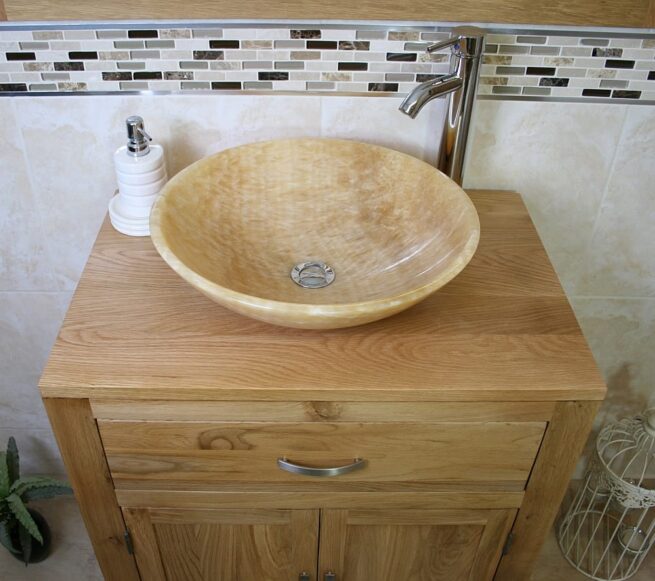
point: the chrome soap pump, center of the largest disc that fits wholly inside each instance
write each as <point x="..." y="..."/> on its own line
<point x="137" y="138"/>
<point x="141" y="174"/>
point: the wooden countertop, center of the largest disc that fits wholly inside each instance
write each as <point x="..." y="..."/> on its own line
<point x="502" y="330"/>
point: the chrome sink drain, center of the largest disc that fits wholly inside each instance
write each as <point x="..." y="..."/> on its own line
<point x="313" y="274"/>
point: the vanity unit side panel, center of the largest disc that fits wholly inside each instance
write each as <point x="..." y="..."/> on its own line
<point x="81" y="448"/>
<point x="563" y="443"/>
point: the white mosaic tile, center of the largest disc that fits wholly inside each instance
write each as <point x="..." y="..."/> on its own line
<point x="563" y="40"/>
<point x="10" y="67"/>
<point x="289" y="85"/>
<point x="64" y="45"/>
<point x="639" y="75"/>
<point x="16" y="35"/>
<point x="305" y="75"/>
<point x="164" y="85"/>
<point x="638" y="54"/>
<point x="320" y="65"/>
<point x="352" y="87"/>
<point x="240" y="75"/>
<point x="585" y="83"/>
<point x="340" y="34"/>
<point x="79" y="34"/>
<point x="263" y="33"/>
<point x="625" y="42"/>
<point x="178" y="55"/>
<point x="338" y="55"/>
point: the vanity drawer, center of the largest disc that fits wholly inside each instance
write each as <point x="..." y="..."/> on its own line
<point x="211" y="455"/>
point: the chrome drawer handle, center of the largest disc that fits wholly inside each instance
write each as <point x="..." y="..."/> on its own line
<point x="287" y="465"/>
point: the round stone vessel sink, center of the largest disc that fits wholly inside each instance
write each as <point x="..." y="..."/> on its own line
<point x="314" y="233"/>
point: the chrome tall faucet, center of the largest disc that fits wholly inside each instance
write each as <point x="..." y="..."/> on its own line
<point x="466" y="45"/>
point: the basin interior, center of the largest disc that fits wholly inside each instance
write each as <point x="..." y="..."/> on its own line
<point x="385" y="222"/>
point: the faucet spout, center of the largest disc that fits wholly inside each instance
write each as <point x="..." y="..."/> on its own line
<point x="466" y="47"/>
<point x="425" y="92"/>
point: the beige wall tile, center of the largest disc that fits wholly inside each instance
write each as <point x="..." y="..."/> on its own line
<point x="377" y="120"/>
<point x="193" y="126"/>
<point x="24" y="258"/>
<point x="29" y="323"/>
<point x="559" y="157"/>
<point x="621" y="257"/>
<point x="620" y="334"/>
<point x="69" y="142"/>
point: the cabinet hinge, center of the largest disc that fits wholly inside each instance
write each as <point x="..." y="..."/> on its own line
<point x="508" y="543"/>
<point x="128" y="542"/>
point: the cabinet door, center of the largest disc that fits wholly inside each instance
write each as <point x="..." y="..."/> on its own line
<point x="223" y="545"/>
<point x="412" y="545"/>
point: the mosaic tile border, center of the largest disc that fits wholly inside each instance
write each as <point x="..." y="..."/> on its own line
<point x="353" y="59"/>
<point x="567" y="66"/>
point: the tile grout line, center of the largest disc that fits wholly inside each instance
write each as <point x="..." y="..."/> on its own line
<point x="610" y="174"/>
<point x="589" y="242"/>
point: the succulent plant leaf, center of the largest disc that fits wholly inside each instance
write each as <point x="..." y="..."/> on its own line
<point x="22" y="485"/>
<point x="25" y="539"/>
<point x="5" y="539"/>
<point x="46" y="492"/>
<point x="4" y="475"/>
<point x="24" y="517"/>
<point x="13" y="460"/>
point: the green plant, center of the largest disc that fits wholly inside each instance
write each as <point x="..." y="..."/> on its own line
<point x="15" y="493"/>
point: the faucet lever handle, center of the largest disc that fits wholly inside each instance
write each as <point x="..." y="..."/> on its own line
<point x="443" y="44"/>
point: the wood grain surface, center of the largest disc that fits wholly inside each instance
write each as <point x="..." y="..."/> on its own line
<point x="401" y="452"/>
<point x="225" y="545"/>
<point x="628" y="13"/>
<point x="186" y="499"/>
<point x="405" y="545"/>
<point x="566" y="435"/>
<point x="145" y="544"/>
<point x="321" y="411"/>
<point x="86" y="467"/>
<point x="501" y="331"/>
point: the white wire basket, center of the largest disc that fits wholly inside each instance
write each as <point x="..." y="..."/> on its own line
<point x="610" y="526"/>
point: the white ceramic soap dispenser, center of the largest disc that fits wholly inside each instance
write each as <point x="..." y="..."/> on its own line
<point x="141" y="174"/>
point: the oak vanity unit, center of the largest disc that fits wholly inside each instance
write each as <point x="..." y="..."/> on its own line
<point x="457" y="423"/>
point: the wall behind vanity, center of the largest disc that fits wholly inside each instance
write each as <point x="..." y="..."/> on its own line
<point x="581" y="154"/>
<point x="587" y="173"/>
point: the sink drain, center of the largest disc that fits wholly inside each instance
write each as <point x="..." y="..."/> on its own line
<point x="314" y="274"/>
